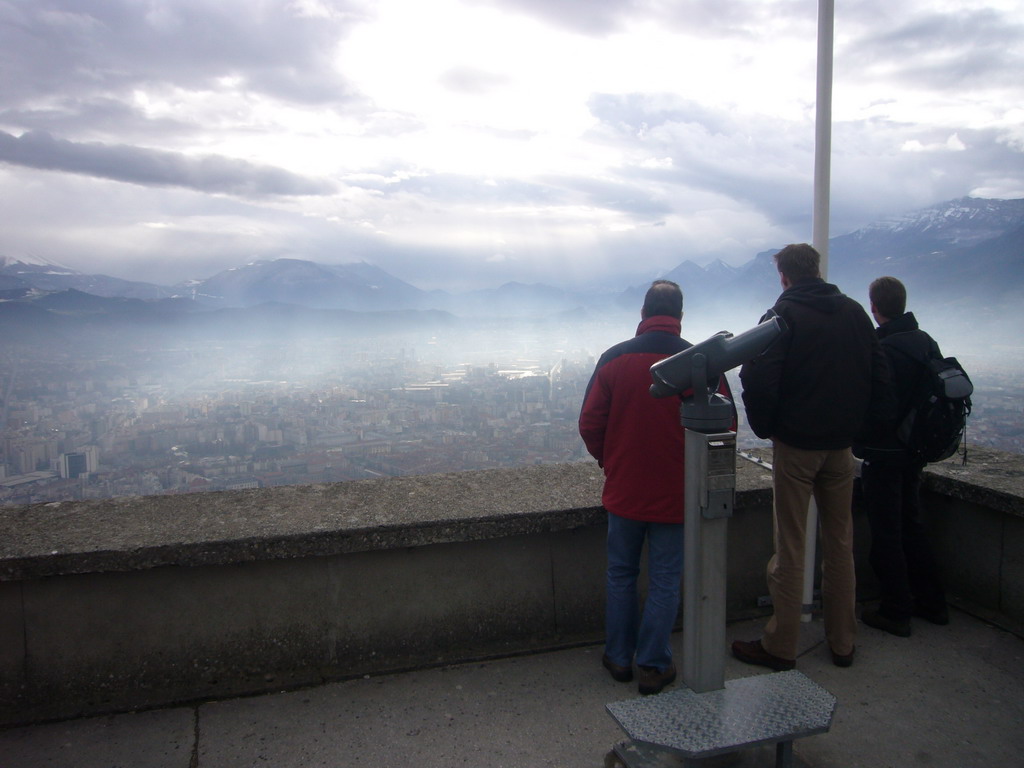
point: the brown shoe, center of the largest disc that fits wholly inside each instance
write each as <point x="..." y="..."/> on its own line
<point x="652" y="679"/>
<point x="752" y="652"/>
<point x="618" y="672"/>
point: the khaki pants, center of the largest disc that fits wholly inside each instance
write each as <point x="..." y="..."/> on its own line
<point x="796" y="475"/>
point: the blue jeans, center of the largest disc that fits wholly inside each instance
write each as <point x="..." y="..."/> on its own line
<point x="628" y="633"/>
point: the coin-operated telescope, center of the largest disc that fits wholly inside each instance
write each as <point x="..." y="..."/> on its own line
<point x="710" y="488"/>
<point x="761" y="709"/>
<point x="699" y="367"/>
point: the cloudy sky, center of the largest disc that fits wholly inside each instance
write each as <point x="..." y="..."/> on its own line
<point x="465" y="143"/>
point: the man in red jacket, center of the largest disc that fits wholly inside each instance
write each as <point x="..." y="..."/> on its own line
<point x="640" y="443"/>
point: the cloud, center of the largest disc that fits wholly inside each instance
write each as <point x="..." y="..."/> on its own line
<point x="876" y="172"/>
<point x="952" y="144"/>
<point x="104" y="116"/>
<point x="53" y="47"/>
<point x="601" y="18"/>
<point x="150" y="167"/>
<point x="470" y="80"/>
<point x="681" y="147"/>
<point x="636" y="114"/>
<point x="595" y="17"/>
<point x="939" y="50"/>
<point x="486" y="140"/>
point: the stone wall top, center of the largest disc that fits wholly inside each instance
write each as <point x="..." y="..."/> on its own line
<point x="138" y="532"/>
<point x="990" y="478"/>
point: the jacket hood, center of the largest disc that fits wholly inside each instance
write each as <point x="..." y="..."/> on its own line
<point x="665" y="323"/>
<point x="902" y="324"/>
<point x="815" y="293"/>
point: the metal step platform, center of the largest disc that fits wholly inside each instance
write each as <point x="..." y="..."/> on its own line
<point x="753" y="711"/>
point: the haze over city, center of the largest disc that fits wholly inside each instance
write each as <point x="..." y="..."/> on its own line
<point x="462" y="144"/>
<point x="459" y="146"/>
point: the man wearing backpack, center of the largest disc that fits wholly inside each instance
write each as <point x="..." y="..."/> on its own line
<point x="891" y="477"/>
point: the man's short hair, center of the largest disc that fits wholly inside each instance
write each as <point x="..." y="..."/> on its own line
<point x="663" y="298"/>
<point x="798" y="261"/>
<point x="889" y="296"/>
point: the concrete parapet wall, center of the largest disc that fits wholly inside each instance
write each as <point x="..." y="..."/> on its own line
<point x="140" y="602"/>
<point x="135" y="602"/>
<point x="976" y="515"/>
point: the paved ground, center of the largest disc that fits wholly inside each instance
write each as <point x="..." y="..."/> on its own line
<point x="948" y="697"/>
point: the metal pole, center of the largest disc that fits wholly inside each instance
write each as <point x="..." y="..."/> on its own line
<point x="823" y="132"/>
<point x="819" y="237"/>
<point x="710" y="490"/>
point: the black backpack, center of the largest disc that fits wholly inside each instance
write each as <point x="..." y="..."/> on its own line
<point x="935" y="424"/>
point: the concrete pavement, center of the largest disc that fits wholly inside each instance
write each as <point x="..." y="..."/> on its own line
<point x="947" y="697"/>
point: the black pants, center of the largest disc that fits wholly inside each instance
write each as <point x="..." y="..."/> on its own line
<point x="900" y="553"/>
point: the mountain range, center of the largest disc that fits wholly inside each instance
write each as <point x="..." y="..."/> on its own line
<point x="965" y="255"/>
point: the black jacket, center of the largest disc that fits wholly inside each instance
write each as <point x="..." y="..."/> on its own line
<point x="905" y="346"/>
<point x="824" y="378"/>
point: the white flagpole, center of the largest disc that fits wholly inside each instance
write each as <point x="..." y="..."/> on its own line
<point x="819" y="237"/>
<point x="823" y="132"/>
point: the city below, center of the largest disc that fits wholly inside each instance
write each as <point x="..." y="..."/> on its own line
<point x="91" y="424"/>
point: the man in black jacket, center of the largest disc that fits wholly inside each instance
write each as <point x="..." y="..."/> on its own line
<point x="811" y="392"/>
<point x="901" y="556"/>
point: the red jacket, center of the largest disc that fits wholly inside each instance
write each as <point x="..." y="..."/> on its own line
<point x="636" y="438"/>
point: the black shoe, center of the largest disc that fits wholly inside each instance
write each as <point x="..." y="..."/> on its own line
<point x="843" y="661"/>
<point x="938" y="615"/>
<point x="898" y="627"/>
<point x="652" y="679"/>
<point x="752" y="652"/>
<point x="619" y="673"/>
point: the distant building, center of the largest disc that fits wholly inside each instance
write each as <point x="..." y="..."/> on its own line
<point x="78" y="463"/>
<point x="242" y="485"/>
<point x="27" y="455"/>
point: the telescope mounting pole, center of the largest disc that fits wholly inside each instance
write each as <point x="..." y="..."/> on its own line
<point x="709" y="494"/>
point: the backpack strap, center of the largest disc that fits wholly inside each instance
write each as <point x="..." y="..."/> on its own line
<point x="921" y="358"/>
<point x="926" y="351"/>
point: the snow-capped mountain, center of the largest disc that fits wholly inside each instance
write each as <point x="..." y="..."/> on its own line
<point x="33" y="265"/>
<point x="962" y="222"/>
<point x="962" y="252"/>
<point x="358" y="286"/>
<point x="19" y="275"/>
<point x="911" y="241"/>
<point x="965" y="254"/>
